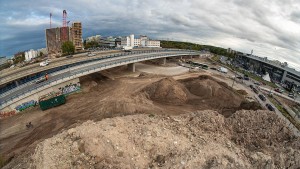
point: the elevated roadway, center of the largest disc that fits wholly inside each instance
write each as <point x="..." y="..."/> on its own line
<point x="9" y="75"/>
<point x="103" y="62"/>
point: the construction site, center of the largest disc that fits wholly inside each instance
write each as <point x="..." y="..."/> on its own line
<point x="55" y="37"/>
<point x="157" y="117"/>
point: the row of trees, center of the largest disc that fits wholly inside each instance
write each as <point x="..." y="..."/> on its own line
<point x="193" y="46"/>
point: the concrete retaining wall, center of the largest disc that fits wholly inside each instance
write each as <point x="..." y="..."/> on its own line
<point x="36" y="96"/>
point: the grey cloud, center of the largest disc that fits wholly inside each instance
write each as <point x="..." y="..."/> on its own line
<point x="239" y="24"/>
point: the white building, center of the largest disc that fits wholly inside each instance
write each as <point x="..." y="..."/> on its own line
<point x="96" y="38"/>
<point x="30" y="54"/>
<point x="43" y="50"/>
<point x="142" y="41"/>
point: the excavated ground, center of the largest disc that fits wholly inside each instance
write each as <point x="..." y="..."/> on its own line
<point x="205" y="139"/>
<point x="105" y="97"/>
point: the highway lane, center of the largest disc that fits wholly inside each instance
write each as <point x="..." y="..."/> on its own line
<point x="14" y="75"/>
<point x="91" y="61"/>
<point x="8" y="72"/>
<point x="81" y="68"/>
<point x="10" y="75"/>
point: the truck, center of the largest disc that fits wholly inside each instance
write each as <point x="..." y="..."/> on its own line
<point x="127" y="48"/>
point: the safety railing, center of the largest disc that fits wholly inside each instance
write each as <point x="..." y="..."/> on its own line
<point x="91" y="69"/>
<point x="84" y="63"/>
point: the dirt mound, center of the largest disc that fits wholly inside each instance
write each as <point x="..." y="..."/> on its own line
<point x="201" y="93"/>
<point x="92" y="80"/>
<point x="246" y="105"/>
<point x="242" y="92"/>
<point x="167" y="90"/>
<point x="215" y="94"/>
<point x="206" y="139"/>
<point x="258" y="130"/>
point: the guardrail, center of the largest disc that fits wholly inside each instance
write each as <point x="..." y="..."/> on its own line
<point x="89" y="70"/>
<point x="83" y="63"/>
<point x="6" y="79"/>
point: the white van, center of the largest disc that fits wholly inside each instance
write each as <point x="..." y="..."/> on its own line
<point x="44" y="63"/>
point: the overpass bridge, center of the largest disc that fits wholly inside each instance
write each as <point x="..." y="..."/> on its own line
<point x="96" y="64"/>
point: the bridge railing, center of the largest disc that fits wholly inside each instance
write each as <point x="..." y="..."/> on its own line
<point x="32" y="71"/>
<point x="91" y="60"/>
<point x="82" y="72"/>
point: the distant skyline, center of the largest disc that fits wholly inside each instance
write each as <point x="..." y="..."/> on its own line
<point x="270" y="28"/>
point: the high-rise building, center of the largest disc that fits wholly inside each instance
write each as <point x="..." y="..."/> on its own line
<point x="55" y="39"/>
<point x="77" y="36"/>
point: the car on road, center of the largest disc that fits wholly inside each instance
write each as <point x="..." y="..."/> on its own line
<point x="246" y="78"/>
<point x="257" y="83"/>
<point x="91" y="54"/>
<point x="40" y="80"/>
<point x="262" y="97"/>
<point x="279" y="90"/>
<point x="213" y="68"/>
<point x="255" y="90"/>
<point x="270" y="107"/>
<point x="69" y="56"/>
<point x="251" y="86"/>
<point x="291" y="95"/>
<point x="44" y="63"/>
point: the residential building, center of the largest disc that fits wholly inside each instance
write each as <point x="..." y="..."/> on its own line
<point x="142" y="41"/>
<point x="77" y="36"/>
<point x="43" y="50"/>
<point x="55" y="38"/>
<point x="30" y="54"/>
<point x="96" y="38"/>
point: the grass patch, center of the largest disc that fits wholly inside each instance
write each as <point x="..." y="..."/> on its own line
<point x="285" y="113"/>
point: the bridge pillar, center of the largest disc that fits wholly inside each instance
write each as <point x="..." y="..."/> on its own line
<point x="16" y="83"/>
<point x="163" y="61"/>
<point x="131" y="67"/>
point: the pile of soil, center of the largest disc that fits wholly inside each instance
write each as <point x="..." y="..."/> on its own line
<point x="246" y="105"/>
<point x="168" y="91"/>
<point x="201" y="93"/>
<point x="242" y="92"/>
<point x="248" y="139"/>
<point x="212" y="92"/>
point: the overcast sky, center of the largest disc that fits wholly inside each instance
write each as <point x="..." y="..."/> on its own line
<point x="270" y="28"/>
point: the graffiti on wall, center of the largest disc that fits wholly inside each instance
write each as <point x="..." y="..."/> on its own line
<point x="7" y="114"/>
<point x="70" y="88"/>
<point x="49" y="95"/>
<point x="26" y="105"/>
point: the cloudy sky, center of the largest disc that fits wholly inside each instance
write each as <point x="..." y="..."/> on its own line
<point x="271" y="29"/>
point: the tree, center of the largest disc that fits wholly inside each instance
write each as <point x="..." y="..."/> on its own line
<point x="68" y="48"/>
<point x="41" y="53"/>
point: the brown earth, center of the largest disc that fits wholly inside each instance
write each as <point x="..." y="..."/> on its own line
<point x="204" y="139"/>
<point x="104" y="96"/>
